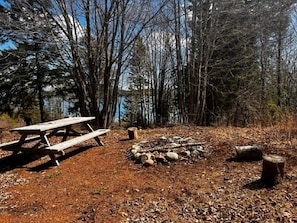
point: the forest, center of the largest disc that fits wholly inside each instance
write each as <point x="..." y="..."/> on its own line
<point x="148" y="63"/>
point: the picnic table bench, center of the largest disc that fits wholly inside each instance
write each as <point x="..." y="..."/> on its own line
<point x="43" y="131"/>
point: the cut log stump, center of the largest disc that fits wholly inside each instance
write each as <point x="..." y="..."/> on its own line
<point x="249" y="152"/>
<point x="132" y="132"/>
<point x="273" y="170"/>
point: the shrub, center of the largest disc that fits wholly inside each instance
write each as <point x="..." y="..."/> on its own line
<point x="6" y="121"/>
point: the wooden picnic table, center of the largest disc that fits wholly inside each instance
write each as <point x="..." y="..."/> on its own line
<point x="40" y="134"/>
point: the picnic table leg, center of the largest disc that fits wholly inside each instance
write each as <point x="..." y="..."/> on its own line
<point x="69" y="130"/>
<point x="20" y="143"/>
<point x="97" y="137"/>
<point x="54" y="159"/>
<point x="44" y="139"/>
<point x="15" y="152"/>
<point x="74" y="132"/>
<point x="66" y="133"/>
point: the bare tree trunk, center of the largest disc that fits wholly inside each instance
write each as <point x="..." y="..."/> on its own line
<point x="93" y="72"/>
<point x="194" y="72"/>
<point x="97" y="50"/>
<point x="262" y="72"/>
<point x="40" y="88"/>
<point x="179" y="62"/>
<point x="279" y="70"/>
<point x="202" y="41"/>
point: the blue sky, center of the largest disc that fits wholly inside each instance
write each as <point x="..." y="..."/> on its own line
<point x="4" y="3"/>
<point x="9" y="44"/>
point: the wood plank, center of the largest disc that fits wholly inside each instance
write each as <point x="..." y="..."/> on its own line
<point x="56" y="124"/>
<point x="10" y="146"/>
<point x="69" y="143"/>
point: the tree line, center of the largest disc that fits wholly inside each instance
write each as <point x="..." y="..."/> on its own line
<point x="202" y="62"/>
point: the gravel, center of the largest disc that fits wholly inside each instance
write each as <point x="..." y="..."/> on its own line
<point x="8" y="179"/>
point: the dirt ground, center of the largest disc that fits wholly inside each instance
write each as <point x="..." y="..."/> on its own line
<point x="100" y="184"/>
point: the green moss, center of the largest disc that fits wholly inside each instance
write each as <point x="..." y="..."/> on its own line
<point x="53" y="175"/>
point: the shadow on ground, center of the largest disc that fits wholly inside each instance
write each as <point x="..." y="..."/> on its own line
<point x="67" y="155"/>
<point x="20" y="160"/>
<point x="256" y="185"/>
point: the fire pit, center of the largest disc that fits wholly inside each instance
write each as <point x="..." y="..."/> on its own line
<point x="165" y="150"/>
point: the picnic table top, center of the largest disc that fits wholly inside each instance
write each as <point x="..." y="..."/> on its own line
<point x="44" y="126"/>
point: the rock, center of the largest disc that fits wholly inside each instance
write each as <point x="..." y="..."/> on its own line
<point x="197" y="151"/>
<point x="137" y="155"/>
<point x="133" y="151"/>
<point x="171" y="156"/>
<point x="186" y="153"/>
<point x="189" y="139"/>
<point x="145" y="156"/>
<point x="150" y="155"/>
<point x="136" y="147"/>
<point x="148" y="162"/>
<point x="197" y="148"/>
<point x="176" y="138"/>
<point x="174" y="144"/>
<point x="160" y="158"/>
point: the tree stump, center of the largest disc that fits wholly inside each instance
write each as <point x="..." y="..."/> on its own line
<point x="249" y="152"/>
<point x="273" y="170"/>
<point x="132" y="132"/>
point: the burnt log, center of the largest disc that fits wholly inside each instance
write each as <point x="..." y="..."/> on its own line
<point x="168" y="147"/>
<point x="249" y="152"/>
<point x="273" y="170"/>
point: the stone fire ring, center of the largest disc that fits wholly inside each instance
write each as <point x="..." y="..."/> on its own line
<point x="165" y="150"/>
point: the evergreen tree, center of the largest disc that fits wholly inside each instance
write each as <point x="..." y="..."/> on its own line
<point x="33" y="65"/>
